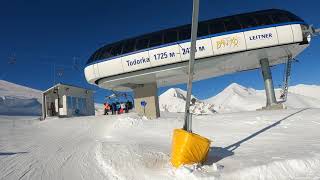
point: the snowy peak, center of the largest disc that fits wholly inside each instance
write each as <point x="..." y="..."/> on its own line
<point x="234" y="86"/>
<point x="176" y="93"/>
<point x="174" y="100"/>
<point x="238" y="89"/>
<point x="233" y="93"/>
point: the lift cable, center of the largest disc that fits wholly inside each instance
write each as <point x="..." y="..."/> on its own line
<point x="311" y="31"/>
<point x="286" y="79"/>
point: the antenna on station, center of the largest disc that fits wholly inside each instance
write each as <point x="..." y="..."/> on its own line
<point x="12" y="59"/>
<point x="60" y="72"/>
<point x="76" y="65"/>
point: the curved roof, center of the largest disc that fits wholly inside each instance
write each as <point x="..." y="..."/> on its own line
<point x="182" y="33"/>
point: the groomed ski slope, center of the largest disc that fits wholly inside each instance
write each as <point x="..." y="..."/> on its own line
<point x="281" y="144"/>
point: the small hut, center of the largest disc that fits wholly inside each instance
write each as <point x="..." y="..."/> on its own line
<point x="64" y="100"/>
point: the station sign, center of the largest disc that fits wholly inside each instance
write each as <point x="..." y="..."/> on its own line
<point x="203" y="49"/>
<point x="261" y="38"/>
<point x="164" y="55"/>
<point x="228" y="43"/>
<point x="143" y="103"/>
<point x="136" y="61"/>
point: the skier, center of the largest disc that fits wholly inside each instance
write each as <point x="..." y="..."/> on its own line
<point x="53" y="109"/>
<point x="127" y="107"/>
<point x="130" y="105"/>
<point x="118" y="107"/>
<point x="111" y="108"/>
<point x="123" y="105"/>
<point x="114" y="107"/>
<point x="120" y="111"/>
<point x="106" y="108"/>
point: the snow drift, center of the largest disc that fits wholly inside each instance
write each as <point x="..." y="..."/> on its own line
<point x="19" y="100"/>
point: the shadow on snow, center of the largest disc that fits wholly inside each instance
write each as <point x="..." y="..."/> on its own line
<point x="11" y="153"/>
<point x="218" y="153"/>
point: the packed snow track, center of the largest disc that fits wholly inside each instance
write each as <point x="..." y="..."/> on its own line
<point x="281" y="144"/>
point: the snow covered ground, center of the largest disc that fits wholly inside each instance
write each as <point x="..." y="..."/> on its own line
<point x="280" y="144"/>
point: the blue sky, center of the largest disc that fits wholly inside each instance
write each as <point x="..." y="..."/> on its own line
<point x="41" y="34"/>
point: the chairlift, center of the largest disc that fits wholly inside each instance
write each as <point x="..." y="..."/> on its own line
<point x="60" y="72"/>
<point x="12" y="60"/>
<point x="117" y="95"/>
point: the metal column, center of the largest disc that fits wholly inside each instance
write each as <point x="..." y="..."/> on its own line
<point x="268" y="84"/>
<point x="194" y="30"/>
<point x="146" y="100"/>
<point x="44" y="108"/>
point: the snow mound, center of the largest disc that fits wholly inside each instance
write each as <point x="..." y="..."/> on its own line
<point x="19" y="100"/>
<point x="293" y="168"/>
<point x="237" y="98"/>
<point x="197" y="171"/>
<point x="174" y="100"/>
<point x="128" y="122"/>
<point x="306" y="90"/>
<point x="130" y="161"/>
<point x="277" y="170"/>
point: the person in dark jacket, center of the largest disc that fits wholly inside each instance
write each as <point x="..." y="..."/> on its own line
<point x="111" y="109"/>
<point x="114" y="108"/>
<point x="130" y="105"/>
<point x="118" y="107"/>
<point x="127" y="107"/>
<point x="53" y="109"/>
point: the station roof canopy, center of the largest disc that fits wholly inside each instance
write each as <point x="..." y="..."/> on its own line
<point x="62" y="84"/>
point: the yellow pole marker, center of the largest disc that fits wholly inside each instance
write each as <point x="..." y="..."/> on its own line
<point x="188" y="148"/>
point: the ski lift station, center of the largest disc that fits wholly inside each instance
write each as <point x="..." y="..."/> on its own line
<point x="64" y="100"/>
<point x="224" y="45"/>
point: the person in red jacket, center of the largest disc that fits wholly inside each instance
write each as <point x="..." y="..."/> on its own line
<point x="106" y="108"/>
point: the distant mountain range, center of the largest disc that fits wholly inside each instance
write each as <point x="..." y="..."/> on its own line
<point x="20" y="100"/>
<point x="235" y="98"/>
